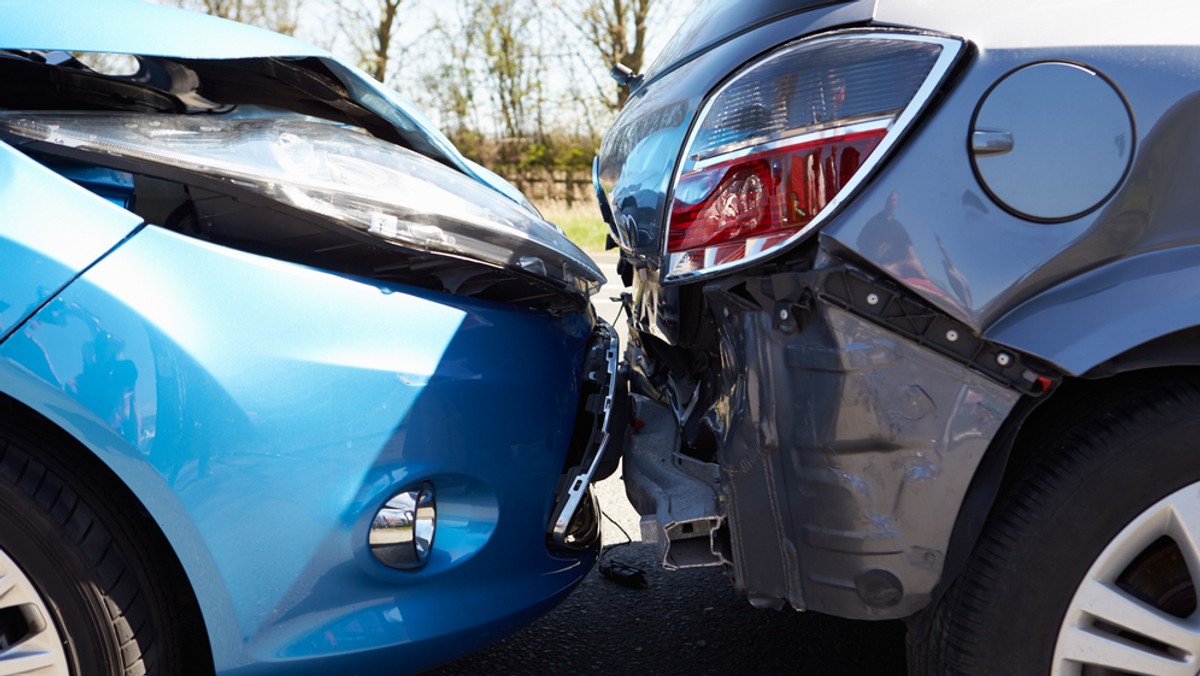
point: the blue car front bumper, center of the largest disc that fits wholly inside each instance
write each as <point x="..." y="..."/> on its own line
<point x="263" y="411"/>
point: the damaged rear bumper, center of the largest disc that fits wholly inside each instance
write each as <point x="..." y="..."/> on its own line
<point x="679" y="496"/>
<point x="824" y="457"/>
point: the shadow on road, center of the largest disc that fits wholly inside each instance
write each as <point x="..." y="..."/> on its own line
<point x="687" y="622"/>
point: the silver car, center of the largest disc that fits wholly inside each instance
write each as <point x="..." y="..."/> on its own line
<point x="914" y="297"/>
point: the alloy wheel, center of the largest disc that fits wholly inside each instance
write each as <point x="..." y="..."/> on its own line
<point x="29" y="642"/>
<point x="1135" y="610"/>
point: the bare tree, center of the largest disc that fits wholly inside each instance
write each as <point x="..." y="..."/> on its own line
<point x="617" y="30"/>
<point x="451" y="76"/>
<point x="281" y="16"/>
<point x="372" y="27"/>
<point x="509" y="51"/>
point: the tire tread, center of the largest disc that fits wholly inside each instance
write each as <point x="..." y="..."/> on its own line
<point x="960" y="639"/>
<point x="112" y="579"/>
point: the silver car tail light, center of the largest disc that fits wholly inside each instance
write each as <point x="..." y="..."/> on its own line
<point x="789" y="138"/>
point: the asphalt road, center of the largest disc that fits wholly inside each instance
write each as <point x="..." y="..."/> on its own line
<point x="684" y="622"/>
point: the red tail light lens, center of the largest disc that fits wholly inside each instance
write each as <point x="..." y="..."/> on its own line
<point x="771" y="194"/>
<point x="788" y="138"/>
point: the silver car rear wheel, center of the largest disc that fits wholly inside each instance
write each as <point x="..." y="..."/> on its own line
<point x="29" y="641"/>
<point x="1135" y="610"/>
<point x="1089" y="558"/>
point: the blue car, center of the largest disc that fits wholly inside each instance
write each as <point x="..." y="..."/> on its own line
<point x="286" y="383"/>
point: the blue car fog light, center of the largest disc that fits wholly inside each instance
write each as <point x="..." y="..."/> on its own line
<point x="402" y="531"/>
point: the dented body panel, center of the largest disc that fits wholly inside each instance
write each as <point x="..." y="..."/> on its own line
<point x="836" y="440"/>
<point x="255" y="384"/>
<point x="847" y="423"/>
<point x="854" y="435"/>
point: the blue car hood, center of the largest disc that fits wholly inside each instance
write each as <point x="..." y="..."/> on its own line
<point x="133" y="27"/>
<point x="141" y="28"/>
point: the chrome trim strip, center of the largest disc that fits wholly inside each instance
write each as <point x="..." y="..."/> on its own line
<point x="577" y="489"/>
<point x="870" y="124"/>
<point x="952" y="48"/>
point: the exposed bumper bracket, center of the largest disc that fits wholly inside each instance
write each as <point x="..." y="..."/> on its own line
<point x="872" y="299"/>
<point x="678" y="496"/>
<point x="602" y="371"/>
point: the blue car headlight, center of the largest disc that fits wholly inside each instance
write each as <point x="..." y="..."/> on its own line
<point x="347" y="177"/>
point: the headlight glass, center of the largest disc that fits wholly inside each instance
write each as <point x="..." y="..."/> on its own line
<point x="347" y="177"/>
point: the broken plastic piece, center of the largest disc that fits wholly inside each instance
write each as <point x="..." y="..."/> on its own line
<point x="624" y="574"/>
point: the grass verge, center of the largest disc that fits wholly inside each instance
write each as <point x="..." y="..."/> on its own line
<point x="580" y="221"/>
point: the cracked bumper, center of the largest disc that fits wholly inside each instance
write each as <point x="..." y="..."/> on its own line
<point x="842" y="453"/>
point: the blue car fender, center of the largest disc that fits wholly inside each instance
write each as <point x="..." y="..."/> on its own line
<point x="50" y="233"/>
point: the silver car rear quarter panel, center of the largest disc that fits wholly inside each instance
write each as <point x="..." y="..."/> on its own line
<point x="844" y="454"/>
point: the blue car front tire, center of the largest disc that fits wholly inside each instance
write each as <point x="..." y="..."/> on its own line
<point x="81" y="589"/>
